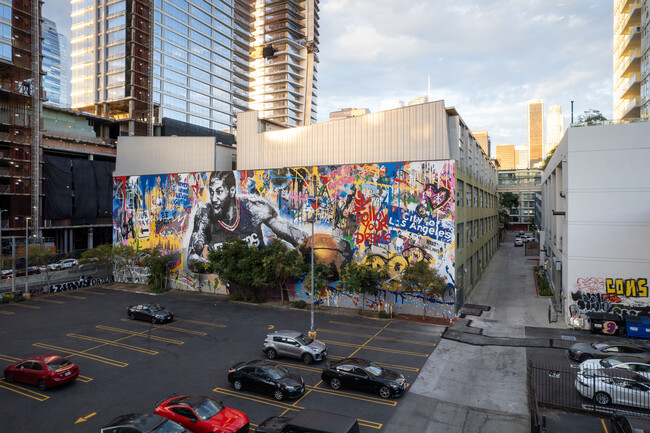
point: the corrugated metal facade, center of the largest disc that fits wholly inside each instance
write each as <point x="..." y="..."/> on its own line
<point x="415" y="133"/>
<point x="154" y="155"/>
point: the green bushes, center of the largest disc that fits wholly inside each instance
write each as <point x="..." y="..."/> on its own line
<point x="543" y="286"/>
<point x="383" y="314"/>
<point x="299" y="304"/>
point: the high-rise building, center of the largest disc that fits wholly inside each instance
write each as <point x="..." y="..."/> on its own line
<point x="54" y="64"/>
<point x="483" y="140"/>
<point x="284" y="60"/>
<point x="141" y="61"/>
<point x="506" y="156"/>
<point x="554" y="128"/>
<point x="535" y="132"/>
<point x="631" y="59"/>
<point x="521" y="157"/>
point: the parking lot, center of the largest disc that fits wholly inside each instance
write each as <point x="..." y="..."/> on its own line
<point x="127" y="366"/>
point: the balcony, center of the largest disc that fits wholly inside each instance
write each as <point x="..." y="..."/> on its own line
<point x="631" y="109"/>
<point x="633" y="89"/>
<point x="632" y="20"/>
<point x="632" y="66"/>
<point x="632" y="42"/>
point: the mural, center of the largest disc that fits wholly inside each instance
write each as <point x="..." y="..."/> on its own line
<point x="610" y="295"/>
<point x="400" y="213"/>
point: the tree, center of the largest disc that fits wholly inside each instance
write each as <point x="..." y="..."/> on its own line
<point x="362" y="278"/>
<point x="508" y="200"/>
<point x="157" y="261"/>
<point x="424" y="278"/>
<point x="591" y="117"/>
<point x="237" y="265"/>
<point x="39" y="255"/>
<point x="323" y="274"/>
<point x="280" y="264"/>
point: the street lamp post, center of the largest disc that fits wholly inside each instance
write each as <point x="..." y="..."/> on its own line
<point x="312" y="331"/>
<point x="27" y="254"/>
<point x="1" y="249"/>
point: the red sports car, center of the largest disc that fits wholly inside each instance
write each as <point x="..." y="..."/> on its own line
<point x="45" y="371"/>
<point x="201" y="414"/>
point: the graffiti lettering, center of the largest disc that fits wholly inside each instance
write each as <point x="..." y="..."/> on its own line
<point x="74" y="285"/>
<point x="630" y="288"/>
<point x="373" y="238"/>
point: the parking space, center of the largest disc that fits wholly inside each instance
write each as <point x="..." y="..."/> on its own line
<point x="128" y="365"/>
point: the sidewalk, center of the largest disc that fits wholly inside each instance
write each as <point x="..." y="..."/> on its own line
<point x="474" y="381"/>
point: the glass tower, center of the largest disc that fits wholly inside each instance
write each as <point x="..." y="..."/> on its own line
<point x="54" y="64"/>
<point x="183" y="59"/>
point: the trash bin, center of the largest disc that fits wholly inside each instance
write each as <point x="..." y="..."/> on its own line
<point x="606" y="323"/>
<point x="637" y="326"/>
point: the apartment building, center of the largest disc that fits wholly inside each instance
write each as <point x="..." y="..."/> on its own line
<point x="631" y="59"/>
<point x="525" y="184"/>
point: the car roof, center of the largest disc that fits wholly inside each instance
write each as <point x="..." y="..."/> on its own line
<point x="287" y="333"/>
<point x="143" y="421"/>
<point x="353" y="361"/>
<point x="188" y="400"/>
<point x="317" y="420"/>
<point x="643" y="358"/>
<point x="257" y="363"/>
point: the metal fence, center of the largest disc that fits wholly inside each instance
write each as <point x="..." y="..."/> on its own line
<point x="595" y="391"/>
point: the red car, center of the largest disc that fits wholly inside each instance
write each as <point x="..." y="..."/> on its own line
<point x="201" y="414"/>
<point x="45" y="371"/>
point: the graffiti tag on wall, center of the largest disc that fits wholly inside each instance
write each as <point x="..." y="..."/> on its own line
<point x="621" y="296"/>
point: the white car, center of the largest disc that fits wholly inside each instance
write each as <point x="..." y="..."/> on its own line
<point x="68" y="263"/>
<point x="639" y="365"/>
<point x="606" y="387"/>
<point x="519" y="242"/>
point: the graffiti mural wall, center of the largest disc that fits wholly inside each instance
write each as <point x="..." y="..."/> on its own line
<point x="621" y="296"/>
<point x="399" y="213"/>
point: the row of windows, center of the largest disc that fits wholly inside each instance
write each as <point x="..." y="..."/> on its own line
<point x="474" y="197"/>
<point x="472" y="230"/>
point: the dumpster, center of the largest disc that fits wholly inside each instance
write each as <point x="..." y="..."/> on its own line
<point x="637" y="326"/>
<point x="606" y="323"/>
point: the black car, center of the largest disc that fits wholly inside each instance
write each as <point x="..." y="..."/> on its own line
<point x="310" y="420"/>
<point x="143" y="423"/>
<point x="153" y="313"/>
<point x="364" y="375"/>
<point x="266" y="377"/>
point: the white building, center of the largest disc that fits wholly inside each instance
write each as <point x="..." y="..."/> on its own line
<point x="554" y="128"/>
<point x="595" y="221"/>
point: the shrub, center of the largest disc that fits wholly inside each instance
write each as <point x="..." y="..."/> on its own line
<point x="542" y="283"/>
<point x="300" y="304"/>
<point x="383" y="314"/>
<point x="237" y="297"/>
<point x="258" y="300"/>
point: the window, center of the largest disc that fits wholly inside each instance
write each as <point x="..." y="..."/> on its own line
<point x="181" y="4"/>
<point x="469" y="232"/>
<point x="468" y="195"/>
<point x="116" y="22"/>
<point x="459" y="236"/>
<point x="460" y="186"/>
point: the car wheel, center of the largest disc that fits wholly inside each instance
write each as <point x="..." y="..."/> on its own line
<point x="153" y="320"/>
<point x="384" y="392"/>
<point x="335" y="383"/>
<point x="9" y="377"/>
<point x="278" y="394"/>
<point x="584" y="357"/>
<point x="602" y="398"/>
<point x="42" y="385"/>
<point x="131" y="316"/>
<point x="237" y="384"/>
<point x="307" y="358"/>
<point x="271" y="354"/>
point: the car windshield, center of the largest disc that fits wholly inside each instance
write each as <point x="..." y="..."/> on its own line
<point x="58" y="363"/>
<point x="277" y="372"/>
<point x="304" y="340"/>
<point x="207" y="409"/>
<point x="156" y="307"/>
<point x="169" y="426"/>
<point x="611" y="362"/>
<point x="374" y="369"/>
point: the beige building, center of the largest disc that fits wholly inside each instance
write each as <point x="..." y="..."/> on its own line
<point x="344" y="113"/>
<point x="631" y="59"/>
<point x="535" y="132"/>
<point x="521" y="157"/>
<point x="506" y="156"/>
<point x="423" y="132"/>
<point x="554" y="128"/>
<point x="483" y="140"/>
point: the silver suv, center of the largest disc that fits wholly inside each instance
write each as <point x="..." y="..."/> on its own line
<point x="294" y="344"/>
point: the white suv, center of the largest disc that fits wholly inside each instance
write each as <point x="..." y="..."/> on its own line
<point x="294" y="344"/>
<point x="68" y="263"/>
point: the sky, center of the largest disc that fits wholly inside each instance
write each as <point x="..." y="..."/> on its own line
<point x="487" y="58"/>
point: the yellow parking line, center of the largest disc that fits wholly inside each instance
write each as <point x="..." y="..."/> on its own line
<point x="370" y="424"/>
<point x="171" y="328"/>
<point x="52" y="301"/>
<point x="92" y="292"/>
<point x="73" y="352"/>
<point x="198" y="322"/>
<point x="66" y="295"/>
<point x="353" y="396"/>
<point x="84" y="379"/>
<point x="240" y="394"/>
<point x="141" y="334"/>
<point x="298" y="366"/>
<point x="8" y="313"/>
<point x="378" y="337"/>
<point x="24" y="391"/>
<point x="379" y="349"/>
<point x="23" y="305"/>
<point x="9" y="358"/>
<point x="112" y="343"/>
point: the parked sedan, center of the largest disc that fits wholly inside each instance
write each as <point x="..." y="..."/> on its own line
<point x="45" y="371"/>
<point x="614" y="387"/>
<point x="294" y="344"/>
<point x="266" y="377"/>
<point x="365" y="376"/>
<point x="602" y="349"/>
<point x="142" y="423"/>
<point x="153" y="313"/>
<point x="636" y="364"/>
<point x="201" y="414"/>
<point x="519" y="242"/>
